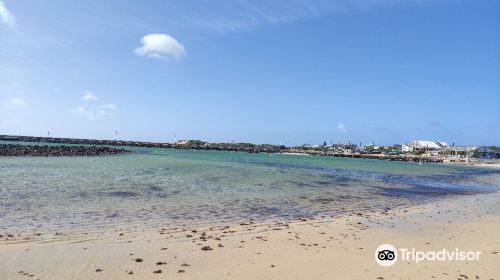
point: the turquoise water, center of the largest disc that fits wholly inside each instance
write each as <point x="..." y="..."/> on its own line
<point x="166" y="186"/>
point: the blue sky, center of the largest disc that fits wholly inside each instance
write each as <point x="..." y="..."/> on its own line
<point x="387" y="71"/>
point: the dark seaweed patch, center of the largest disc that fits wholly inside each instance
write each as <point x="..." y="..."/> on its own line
<point x="425" y="191"/>
<point x="168" y="194"/>
<point x="154" y="188"/>
<point x="322" y="200"/>
<point x="123" y="194"/>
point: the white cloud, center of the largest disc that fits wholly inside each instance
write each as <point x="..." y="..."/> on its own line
<point x="7" y="17"/>
<point x="16" y="102"/>
<point x="96" y="110"/>
<point x="341" y="128"/>
<point x="109" y="107"/>
<point x="13" y="103"/>
<point x="10" y="121"/>
<point x="160" y="45"/>
<point x="99" y="113"/>
<point x="89" y="96"/>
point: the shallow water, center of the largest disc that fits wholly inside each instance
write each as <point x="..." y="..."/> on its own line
<point x="166" y="186"/>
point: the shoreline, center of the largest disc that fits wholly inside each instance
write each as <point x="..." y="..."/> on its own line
<point x="310" y="248"/>
<point x="242" y="147"/>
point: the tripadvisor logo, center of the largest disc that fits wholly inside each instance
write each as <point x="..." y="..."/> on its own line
<point x="387" y="255"/>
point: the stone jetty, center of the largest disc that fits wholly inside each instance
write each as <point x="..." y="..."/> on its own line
<point x="191" y="144"/>
<point x="49" y="151"/>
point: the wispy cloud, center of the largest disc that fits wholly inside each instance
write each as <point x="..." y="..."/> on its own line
<point x="10" y="121"/>
<point x="13" y="103"/>
<point x="16" y="102"/>
<point x="159" y="46"/>
<point x="89" y="96"/>
<point x="95" y="111"/>
<point x="247" y="14"/>
<point x="6" y="16"/>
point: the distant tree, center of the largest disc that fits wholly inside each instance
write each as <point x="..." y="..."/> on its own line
<point x="195" y="142"/>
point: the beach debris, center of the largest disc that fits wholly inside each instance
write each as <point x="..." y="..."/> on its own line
<point x="164" y="248"/>
<point x="138" y="260"/>
<point x="161" y="263"/>
<point x="206" y="248"/>
<point x="157" y="271"/>
<point x="98" y="270"/>
<point x="185" y="264"/>
<point x="220" y="245"/>
<point x="181" y="271"/>
<point x="131" y="272"/>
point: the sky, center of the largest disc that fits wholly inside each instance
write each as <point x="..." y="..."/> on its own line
<point x="295" y="71"/>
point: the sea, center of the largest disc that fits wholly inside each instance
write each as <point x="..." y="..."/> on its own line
<point x="153" y="186"/>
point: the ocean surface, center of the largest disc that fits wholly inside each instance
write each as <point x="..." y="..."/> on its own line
<point x="166" y="186"/>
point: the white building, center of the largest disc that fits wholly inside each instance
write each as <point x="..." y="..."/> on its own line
<point x="406" y="149"/>
<point x="424" y="145"/>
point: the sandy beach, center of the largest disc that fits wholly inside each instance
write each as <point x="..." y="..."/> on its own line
<point x="319" y="248"/>
<point x="249" y="140"/>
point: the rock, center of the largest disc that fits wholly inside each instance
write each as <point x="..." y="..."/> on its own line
<point x="46" y="151"/>
<point x="206" y="248"/>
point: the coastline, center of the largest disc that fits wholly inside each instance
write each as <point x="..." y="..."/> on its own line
<point x="246" y="148"/>
<point x="313" y="248"/>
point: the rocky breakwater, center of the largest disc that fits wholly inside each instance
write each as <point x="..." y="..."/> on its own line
<point x="50" y="151"/>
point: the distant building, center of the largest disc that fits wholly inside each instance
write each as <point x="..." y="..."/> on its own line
<point x="406" y="149"/>
<point x="486" y="153"/>
<point x="461" y="151"/>
<point x="425" y="145"/>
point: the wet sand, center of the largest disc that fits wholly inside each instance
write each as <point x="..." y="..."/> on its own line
<point x="319" y="248"/>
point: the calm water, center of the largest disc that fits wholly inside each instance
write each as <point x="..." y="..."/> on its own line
<point x="164" y="186"/>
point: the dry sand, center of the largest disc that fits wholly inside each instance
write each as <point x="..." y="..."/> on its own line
<point x="321" y="248"/>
